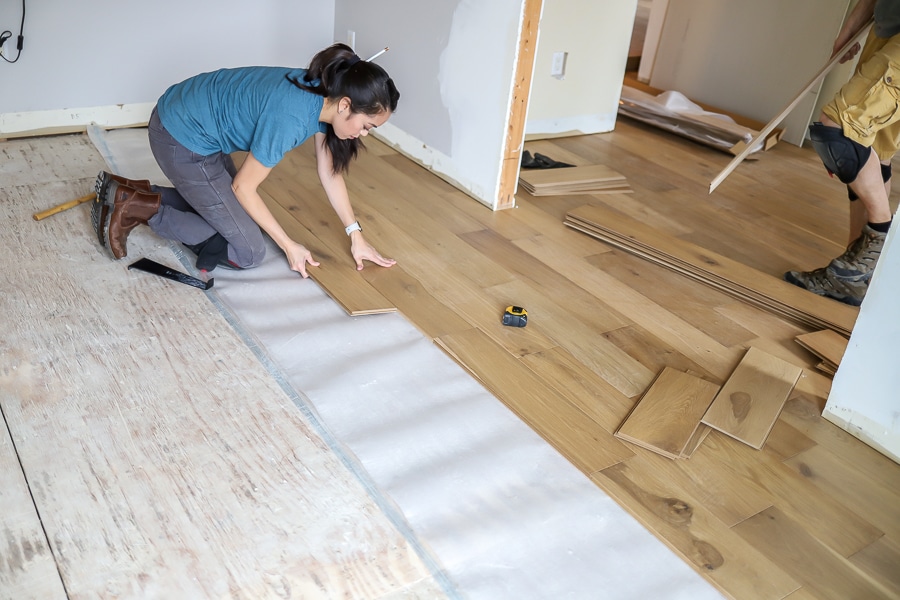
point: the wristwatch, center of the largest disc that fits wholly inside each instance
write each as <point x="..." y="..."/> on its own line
<point x="354" y="226"/>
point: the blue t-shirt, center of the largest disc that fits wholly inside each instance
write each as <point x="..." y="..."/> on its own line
<point x="249" y="108"/>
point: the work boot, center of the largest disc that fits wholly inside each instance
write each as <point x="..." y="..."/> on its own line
<point x="123" y="209"/>
<point x="858" y="261"/>
<point x="100" y="208"/>
<point x="824" y="282"/>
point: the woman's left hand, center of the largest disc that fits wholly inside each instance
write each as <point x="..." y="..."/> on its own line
<point x="362" y="250"/>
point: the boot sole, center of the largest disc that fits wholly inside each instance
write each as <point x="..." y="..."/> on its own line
<point x="790" y="278"/>
<point x="101" y="208"/>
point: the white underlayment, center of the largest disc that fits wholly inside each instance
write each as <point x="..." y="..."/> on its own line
<point x="495" y="509"/>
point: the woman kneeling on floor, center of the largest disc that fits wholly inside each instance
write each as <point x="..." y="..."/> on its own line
<point x="215" y="209"/>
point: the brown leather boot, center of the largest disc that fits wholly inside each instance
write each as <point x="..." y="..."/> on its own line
<point x="130" y="208"/>
<point x="102" y="204"/>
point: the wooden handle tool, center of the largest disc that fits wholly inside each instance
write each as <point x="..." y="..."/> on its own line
<point x="64" y="206"/>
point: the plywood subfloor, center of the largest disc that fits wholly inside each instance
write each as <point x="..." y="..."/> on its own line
<point x="145" y="450"/>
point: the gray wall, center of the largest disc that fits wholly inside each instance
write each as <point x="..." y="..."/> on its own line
<point x="453" y="61"/>
<point x="95" y="53"/>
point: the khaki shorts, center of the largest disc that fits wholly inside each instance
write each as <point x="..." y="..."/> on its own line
<point x="868" y="105"/>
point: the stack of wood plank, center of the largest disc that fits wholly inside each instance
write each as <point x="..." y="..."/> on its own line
<point x="592" y="179"/>
<point x="732" y="277"/>
<point x="676" y="413"/>
<point x="827" y="345"/>
<point x="666" y="419"/>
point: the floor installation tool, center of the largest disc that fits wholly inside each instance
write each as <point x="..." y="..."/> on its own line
<point x="64" y="206"/>
<point x="151" y="266"/>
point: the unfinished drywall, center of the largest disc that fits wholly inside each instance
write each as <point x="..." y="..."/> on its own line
<point x="453" y="61"/>
<point x="108" y="62"/>
<point x="596" y="38"/>
<point x="865" y="396"/>
<point x="749" y="58"/>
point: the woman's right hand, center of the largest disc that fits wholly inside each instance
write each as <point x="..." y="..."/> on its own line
<point x="298" y="257"/>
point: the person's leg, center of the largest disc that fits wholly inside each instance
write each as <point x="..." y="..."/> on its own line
<point x="204" y="184"/>
<point x="857" y="133"/>
<point x="858" y="215"/>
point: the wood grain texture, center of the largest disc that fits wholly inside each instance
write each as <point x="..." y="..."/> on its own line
<point x="668" y="414"/>
<point x="602" y="327"/>
<point x="706" y="543"/>
<point x="750" y="401"/>
<point x="164" y="460"/>
<point x="715" y="270"/>
<point x="801" y="556"/>
<point x="27" y="567"/>
<point x="826" y="344"/>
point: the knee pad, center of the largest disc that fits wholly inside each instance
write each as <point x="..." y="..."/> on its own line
<point x="840" y="155"/>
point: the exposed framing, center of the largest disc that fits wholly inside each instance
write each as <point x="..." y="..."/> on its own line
<point x="518" y="109"/>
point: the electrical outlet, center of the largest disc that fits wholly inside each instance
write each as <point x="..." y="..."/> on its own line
<point x="351" y="39"/>
<point x="558" y="66"/>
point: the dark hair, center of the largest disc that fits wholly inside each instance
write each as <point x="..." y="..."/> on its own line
<point x="337" y="73"/>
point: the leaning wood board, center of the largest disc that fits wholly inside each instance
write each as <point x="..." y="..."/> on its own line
<point x="750" y="401"/>
<point x="666" y="418"/>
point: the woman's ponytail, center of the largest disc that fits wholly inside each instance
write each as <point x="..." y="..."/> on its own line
<point x="337" y="72"/>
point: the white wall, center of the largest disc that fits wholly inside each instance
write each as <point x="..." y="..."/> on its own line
<point x="596" y="36"/>
<point x="453" y="62"/>
<point x="865" y="395"/>
<point x="749" y="58"/>
<point x="82" y="59"/>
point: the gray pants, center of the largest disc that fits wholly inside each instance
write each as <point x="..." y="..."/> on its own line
<point x="202" y="201"/>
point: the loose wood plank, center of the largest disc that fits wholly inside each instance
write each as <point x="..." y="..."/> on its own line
<point x="336" y="275"/>
<point x="713" y="269"/>
<point x="668" y="414"/>
<point x="826" y="344"/>
<point x="748" y="404"/>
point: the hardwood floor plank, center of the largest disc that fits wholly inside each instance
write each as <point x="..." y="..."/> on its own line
<point x="577" y="336"/>
<point x="668" y="413"/>
<point x="683" y="523"/>
<point x="565" y="291"/>
<point x="879" y="561"/>
<point x="676" y="293"/>
<point x="826" y="344"/>
<point x="432" y="317"/>
<point x="764" y="479"/>
<point x="683" y="338"/>
<point x="337" y="276"/>
<point x="751" y="399"/>
<point x="712" y="267"/>
<point x="581" y="386"/>
<point x="800" y="555"/>
<point x="785" y="441"/>
<point x="878" y="500"/>
<point x="567" y="428"/>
